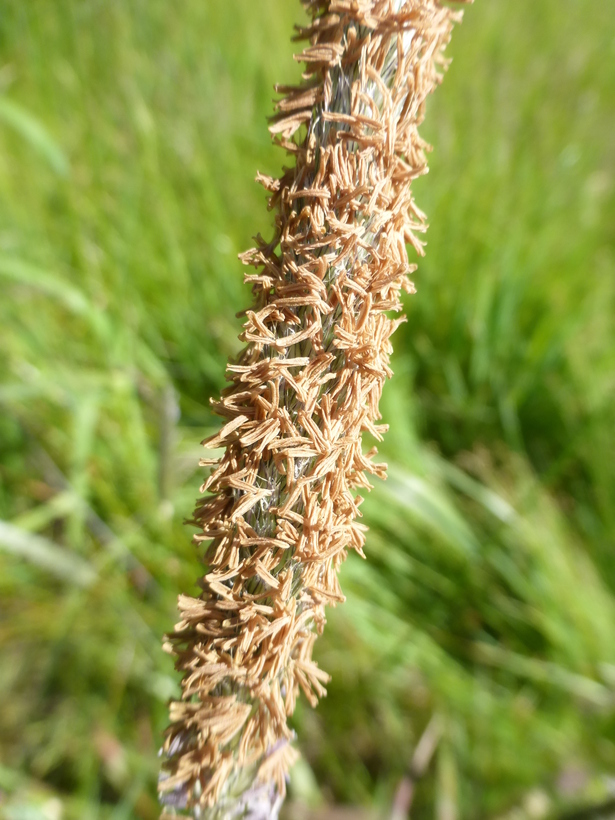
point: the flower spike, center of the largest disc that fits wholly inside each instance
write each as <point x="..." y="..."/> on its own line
<point x="281" y="508"/>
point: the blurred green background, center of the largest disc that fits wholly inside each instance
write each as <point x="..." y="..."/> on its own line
<point x="130" y="133"/>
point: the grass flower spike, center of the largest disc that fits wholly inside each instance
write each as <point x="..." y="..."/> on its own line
<point x="281" y="508"/>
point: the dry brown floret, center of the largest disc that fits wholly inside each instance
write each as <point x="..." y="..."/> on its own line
<point x="281" y="508"/>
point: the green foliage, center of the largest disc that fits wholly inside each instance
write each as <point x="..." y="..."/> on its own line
<point x="129" y="136"/>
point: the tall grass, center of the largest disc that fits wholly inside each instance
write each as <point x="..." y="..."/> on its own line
<point x="129" y="136"/>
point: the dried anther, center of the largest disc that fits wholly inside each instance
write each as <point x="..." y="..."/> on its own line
<point x="281" y="507"/>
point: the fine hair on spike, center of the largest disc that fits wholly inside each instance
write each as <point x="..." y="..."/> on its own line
<point x="280" y="508"/>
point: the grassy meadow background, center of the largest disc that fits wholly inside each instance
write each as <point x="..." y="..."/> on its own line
<point x="130" y="134"/>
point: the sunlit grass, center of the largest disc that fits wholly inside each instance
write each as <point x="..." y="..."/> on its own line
<point x="129" y="137"/>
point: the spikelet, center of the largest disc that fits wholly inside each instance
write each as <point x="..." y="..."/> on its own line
<point x="281" y="508"/>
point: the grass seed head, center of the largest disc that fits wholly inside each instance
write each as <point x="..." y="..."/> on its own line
<point x="281" y="504"/>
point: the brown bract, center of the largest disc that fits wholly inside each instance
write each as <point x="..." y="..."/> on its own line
<point x="281" y="507"/>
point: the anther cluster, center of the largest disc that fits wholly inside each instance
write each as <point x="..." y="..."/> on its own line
<point x="280" y="508"/>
